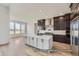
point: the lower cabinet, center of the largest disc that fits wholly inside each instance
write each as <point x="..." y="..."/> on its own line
<point x="48" y="44"/>
<point x="28" y="40"/>
<point x="44" y="43"/>
<point x="61" y="38"/>
<point x="40" y="42"/>
<point x="35" y="42"/>
<point x="32" y="41"/>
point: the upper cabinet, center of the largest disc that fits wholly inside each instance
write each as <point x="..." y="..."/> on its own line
<point x="74" y="10"/>
<point x="41" y="24"/>
<point x="59" y="23"/>
<point x="44" y="23"/>
<point x="62" y="22"/>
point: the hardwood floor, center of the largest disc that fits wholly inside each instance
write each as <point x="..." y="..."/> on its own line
<point x="61" y="46"/>
<point x="16" y="47"/>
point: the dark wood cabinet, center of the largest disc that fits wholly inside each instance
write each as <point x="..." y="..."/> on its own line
<point x="59" y="23"/>
<point x="57" y="26"/>
<point x="61" y="38"/>
<point x="68" y="19"/>
<point x="62" y="23"/>
<point x="41" y="23"/>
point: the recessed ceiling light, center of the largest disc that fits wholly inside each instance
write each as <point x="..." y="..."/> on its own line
<point x="40" y="10"/>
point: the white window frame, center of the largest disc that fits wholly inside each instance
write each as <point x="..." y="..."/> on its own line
<point x="19" y="22"/>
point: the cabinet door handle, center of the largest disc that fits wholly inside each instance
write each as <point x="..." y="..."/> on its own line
<point x="32" y="38"/>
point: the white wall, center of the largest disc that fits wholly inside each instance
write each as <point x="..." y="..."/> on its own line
<point x="4" y="24"/>
<point x="30" y="13"/>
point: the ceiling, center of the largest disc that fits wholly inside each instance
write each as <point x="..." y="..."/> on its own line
<point x="36" y="10"/>
<point x="5" y="4"/>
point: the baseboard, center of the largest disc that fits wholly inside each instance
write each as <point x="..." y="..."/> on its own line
<point x="5" y="43"/>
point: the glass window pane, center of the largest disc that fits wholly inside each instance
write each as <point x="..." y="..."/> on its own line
<point x="12" y="32"/>
<point x="22" y="28"/>
<point x="17" y="28"/>
<point x="17" y="32"/>
<point x="11" y="25"/>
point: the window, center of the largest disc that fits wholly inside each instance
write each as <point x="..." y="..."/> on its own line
<point x="22" y="28"/>
<point x="11" y="28"/>
<point x="17" y="28"/>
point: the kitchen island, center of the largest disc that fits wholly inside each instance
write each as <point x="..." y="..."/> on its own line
<point x="42" y="42"/>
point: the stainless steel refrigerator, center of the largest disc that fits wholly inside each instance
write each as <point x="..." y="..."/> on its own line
<point x="74" y="32"/>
